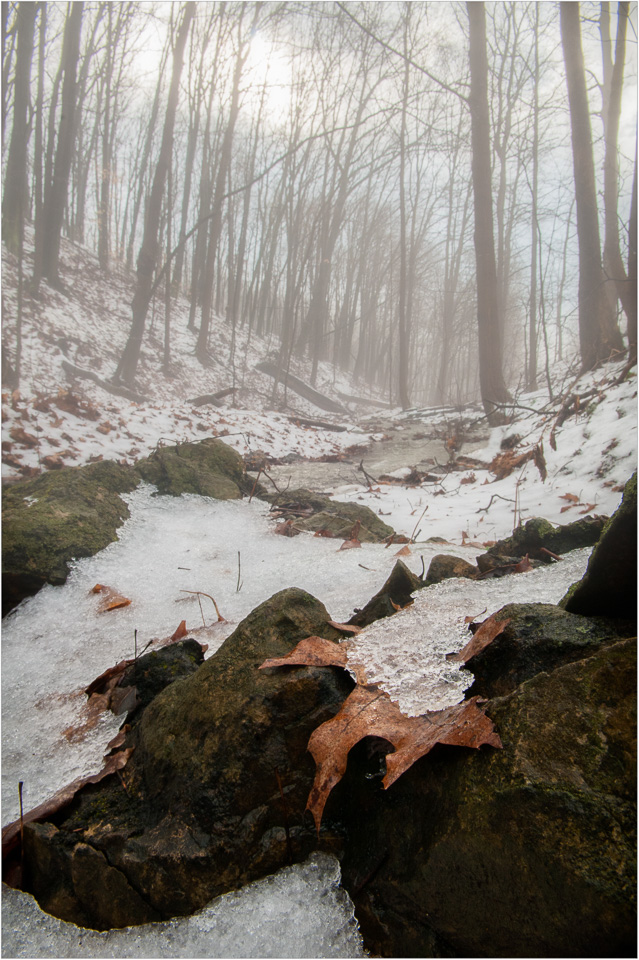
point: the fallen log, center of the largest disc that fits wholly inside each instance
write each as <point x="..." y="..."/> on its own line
<point x="212" y="397"/>
<point x="382" y="404"/>
<point x="298" y="386"/>
<point x="113" y="388"/>
<point x="322" y="424"/>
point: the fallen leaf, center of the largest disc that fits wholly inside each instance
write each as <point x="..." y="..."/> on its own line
<point x="588" y="508"/>
<point x="619" y="488"/>
<point x="523" y="566"/>
<point x="474" y="617"/>
<point x="324" y="532"/>
<point x="286" y="529"/>
<point x="486" y="633"/>
<point x="345" y="627"/>
<point x="569" y="496"/>
<point x="471" y="478"/>
<point x="317" y="652"/>
<point x="368" y="711"/>
<point x="349" y="544"/>
<point x="110" y="599"/>
<point x="404" y="552"/>
<point x="568" y="506"/>
<point x="102" y="684"/>
<point x="180" y="632"/>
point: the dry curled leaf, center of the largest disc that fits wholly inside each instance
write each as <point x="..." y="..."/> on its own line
<point x="367" y="712"/>
<point x="345" y="627"/>
<point x="404" y="552"/>
<point x="486" y="633"/>
<point x="179" y="633"/>
<point x="349" y="545"/>
<point x="569" y="496"/>
<point x="109" y="599"/>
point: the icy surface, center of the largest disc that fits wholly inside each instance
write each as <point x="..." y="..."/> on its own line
<point x="406" y="653"/>
<point x="299" y="912"/>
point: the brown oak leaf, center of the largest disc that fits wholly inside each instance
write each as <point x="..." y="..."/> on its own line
<point x="368" y="711"/>
<point x="317" y="652"/>
<point x="486" y="633"/>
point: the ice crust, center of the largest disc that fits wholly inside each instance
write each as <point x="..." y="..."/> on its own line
<point x="406" y="653"/>
<point x="301" y="911"/>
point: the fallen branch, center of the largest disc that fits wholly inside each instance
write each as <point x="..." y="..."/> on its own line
<point x="370" y="480"/>
<point x="212" y="397"/>
<point x="322" y="424"/>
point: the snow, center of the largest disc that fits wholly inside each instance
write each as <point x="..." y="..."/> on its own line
<point x="55" y="643"/>
<point x="301" y="911"/>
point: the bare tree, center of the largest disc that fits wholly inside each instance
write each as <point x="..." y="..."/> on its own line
<point x="147" y="257"/>
<point x="599" y="335"/>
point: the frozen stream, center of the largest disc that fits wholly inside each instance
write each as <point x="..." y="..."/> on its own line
<point x="54" y="644"/>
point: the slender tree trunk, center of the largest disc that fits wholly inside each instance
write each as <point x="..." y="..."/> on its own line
<point x="104" y="209"/>
<point x="404" y="335"/>
<point x="147" y="257"/>
<point x="632" y="263"/>
<point x="56" y="201"/>
<point x="613" y="264"/>
<point x="491" y="381"/>
<point x="531" y="379"/>
<point x="15" y="199"/>
<point x="599" y="337"/>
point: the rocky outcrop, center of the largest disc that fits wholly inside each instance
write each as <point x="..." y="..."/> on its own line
<point x="214" y="794"/>
<point x="525" y="851"/>
<point x="56" y="517"/>
<point x="609" y="586"/>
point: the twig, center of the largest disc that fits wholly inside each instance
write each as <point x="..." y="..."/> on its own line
<point x="421" y="576"/>
<point x="495" y="496"/>
<point x="135" y="642"/>
<point x="200" y="593"/>
<point x="412" y="536"/>
<point x="256" y="479"/>
<point x="550" y="553"/>
<point x="369" y="479"/>
<point x="239" y="573"/>
<point x="20" y="785"/>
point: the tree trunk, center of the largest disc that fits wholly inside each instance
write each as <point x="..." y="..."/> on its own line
<point x="491" y="381"/>
<point x="147" y="257"/>
<point x="613" y="264"/>
<point x="56" y="200"/>
<point x="599" y="337"/>
<point x="14" y="204"/>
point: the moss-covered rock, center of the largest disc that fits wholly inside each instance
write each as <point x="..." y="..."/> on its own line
<point x="530" y="537"/>
<point x="525" y="851"/>
<point x="539" y="637"/>
<point x="609" y="585"/>
<point x="57" y="517"/>
<point x="209" y="468"/>
<point x="154" y="671"/>
<point x="332" y="515"/>
<point x="215" y="792"/>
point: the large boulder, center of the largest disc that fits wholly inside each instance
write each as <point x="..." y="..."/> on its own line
<point x="209" y="468"/>
<point x="525" y="851"/>
<point x="214" y="794"/>
<point x="54" y="518"/>
<point x="609" y="585"/>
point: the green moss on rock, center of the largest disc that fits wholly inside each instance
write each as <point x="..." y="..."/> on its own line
<point x="56" y="517"/>
<point x="536" y="533"/>
<point x="209" y="468"/>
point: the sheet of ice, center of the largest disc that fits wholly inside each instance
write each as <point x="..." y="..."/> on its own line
<point x="301" y="911"/>
<point x="55" y="644"/>
<point x="406" y="653"/>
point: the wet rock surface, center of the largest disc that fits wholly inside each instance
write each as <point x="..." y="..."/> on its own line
<point x="537" y="536"/>
<point x="394" y="594"/>
<point x="443" y="566"/>
<point x="214" y="794"/>
<point x="524" y="851"/>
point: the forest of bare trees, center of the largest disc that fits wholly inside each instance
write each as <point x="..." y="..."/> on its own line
<point x="438" y="198"/>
